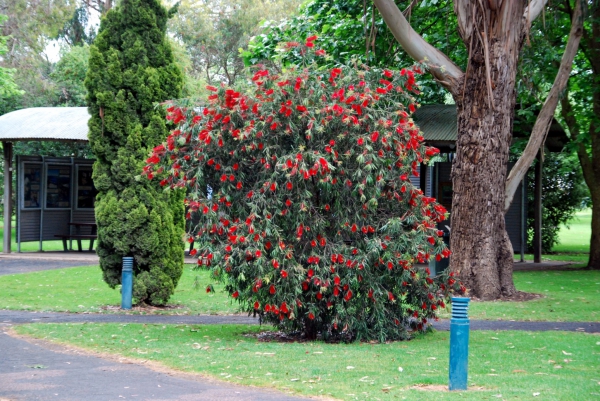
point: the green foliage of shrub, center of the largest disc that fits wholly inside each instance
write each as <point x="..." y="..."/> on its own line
<point x="131" y="68"/>
<point x="302" y="190"/>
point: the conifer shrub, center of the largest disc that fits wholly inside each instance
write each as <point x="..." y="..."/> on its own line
<point x="131" y="68"/>
<point x="301" y="186"/>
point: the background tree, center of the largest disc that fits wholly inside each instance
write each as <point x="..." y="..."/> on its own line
<point x="539" y="65"/>
<point x="69" y="74"/>
<point x="213" y="31"/>
<point x="76" y="31"/>
<point x="8" y="88"/>
<point x="30" y="27"/>
<point x="131" y="68"/>
<point x="354" y="29"/>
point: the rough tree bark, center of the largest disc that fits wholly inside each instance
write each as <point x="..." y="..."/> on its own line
<point x="494" y="32"/>
<point x="485" y="116"/>
<point x="592" y="160"/>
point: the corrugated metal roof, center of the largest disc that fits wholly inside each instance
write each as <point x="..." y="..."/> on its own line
<point x="437" y="122"/>
<point x="45" y="124"/>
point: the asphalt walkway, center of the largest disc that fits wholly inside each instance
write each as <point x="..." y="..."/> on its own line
<point x="8" y="317"/>
<point x="31" y="371"/>
<point x="15" y="266"/>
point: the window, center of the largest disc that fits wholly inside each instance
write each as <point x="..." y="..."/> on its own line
<point x="32" y="186"/>
<point x="58" y="187"/>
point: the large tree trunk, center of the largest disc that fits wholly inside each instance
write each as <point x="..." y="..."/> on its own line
<point x="482" y="254"/>
<point x="594" y="261"/>
<point x="493" y="32"/>
<point x="591" y="162"/>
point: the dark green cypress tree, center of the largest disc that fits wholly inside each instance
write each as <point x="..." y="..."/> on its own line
<point x="131" y="68"/>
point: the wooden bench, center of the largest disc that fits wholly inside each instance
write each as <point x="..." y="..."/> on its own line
<point x="78" y="237"/>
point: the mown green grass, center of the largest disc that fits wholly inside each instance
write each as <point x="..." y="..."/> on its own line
<point x="574" y="237"/>
<point x="502" y="365"/>
<point x="566" y="296"/>
<point x="81" y="289"/>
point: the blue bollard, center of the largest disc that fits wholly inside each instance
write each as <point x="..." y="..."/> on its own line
<point x="459" y="344"/>
<point x="127" y="282"/>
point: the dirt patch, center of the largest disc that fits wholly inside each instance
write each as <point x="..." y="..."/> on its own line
<point x="278" y="337"/>
<point x="439" y="387"/>
<point x="519" y="296"/>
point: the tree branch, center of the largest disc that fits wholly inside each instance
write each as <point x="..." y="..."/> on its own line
<point x="532" y="11"/>
<point x="441" y="67"/>
<point x="574" y="129"/>
<point x="544" y="119"/>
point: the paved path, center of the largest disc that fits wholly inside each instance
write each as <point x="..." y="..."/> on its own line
<point x="14" y="266"/>
<point x="34" y="371"/>
<point x="8" y="317"/>
<point x="28" y="262"/>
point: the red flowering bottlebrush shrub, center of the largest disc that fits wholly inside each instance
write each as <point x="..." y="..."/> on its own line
<point x="306" y="211"/>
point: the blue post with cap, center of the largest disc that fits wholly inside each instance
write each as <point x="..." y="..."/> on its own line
<point x="127" y="282"/>
<point x="459" y="344"/>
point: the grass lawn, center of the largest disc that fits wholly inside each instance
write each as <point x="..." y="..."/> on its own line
<point x="575" y="237"/>
<point x="502" y="365"/>
<point x="567" y="295"/>
<point x="81" y="289"/>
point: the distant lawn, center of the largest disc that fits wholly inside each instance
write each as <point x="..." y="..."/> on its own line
<point x="81" y="289"/>
<point x="575" y="236"/>
<point x="505" y="365"/>
<point x="567" y="296"/>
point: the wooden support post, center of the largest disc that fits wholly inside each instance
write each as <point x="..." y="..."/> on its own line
<point x="7" y="147"/>
<point x="523" y="220"/>
<point x="537" y="213"/>
<point x="423" y="178"/>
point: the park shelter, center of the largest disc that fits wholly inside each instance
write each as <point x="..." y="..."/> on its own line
<point x="48" y="188"/>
